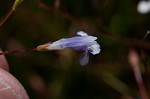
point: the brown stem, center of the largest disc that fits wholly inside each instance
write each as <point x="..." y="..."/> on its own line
<point x="18" y="51"/>
<point x="134" y="62"/>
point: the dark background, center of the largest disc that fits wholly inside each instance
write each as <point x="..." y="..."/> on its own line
<point x="57" y="74"/>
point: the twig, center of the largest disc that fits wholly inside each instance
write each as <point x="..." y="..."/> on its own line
<point x="134" y="62"/>
<point x="42" y="47"/>
<point x="16" y="3"/>
<point x="145" y="62"/>
<point x="17" y="51"/>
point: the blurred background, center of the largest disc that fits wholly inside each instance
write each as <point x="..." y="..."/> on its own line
<point x="58" y="74"/>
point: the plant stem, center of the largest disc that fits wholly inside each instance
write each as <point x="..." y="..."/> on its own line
<point x="17" y="51"/>
<point x="6" y="17"/>
<point x="16" y="3"/>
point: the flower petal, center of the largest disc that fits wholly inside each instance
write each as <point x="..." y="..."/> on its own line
<point x="57" y="45"/>
<point x="84" y="59"/>
<point x="94" y="48"/>
<point x="77" y="43"/>
<point x="82" y="33"/>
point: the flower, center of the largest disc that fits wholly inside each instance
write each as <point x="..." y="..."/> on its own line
<point x="143" y="7"/>
<point x="82" y="42"/>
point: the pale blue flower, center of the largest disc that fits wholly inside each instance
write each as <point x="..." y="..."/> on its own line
<point x="143" y="6"/>
<point x="82" y="42"/>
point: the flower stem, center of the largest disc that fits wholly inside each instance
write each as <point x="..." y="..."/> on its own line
<point x="17" y="51"/>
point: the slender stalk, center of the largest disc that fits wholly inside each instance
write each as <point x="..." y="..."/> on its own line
<point x="145" y="63"/>
<point x="42" y="47"/>
<point x="134" y="62"/>
<point x="17" y="51"/>
<point x="6" y="17"/>
<point x="16" y="3"/>
<point x="146" y="35"/>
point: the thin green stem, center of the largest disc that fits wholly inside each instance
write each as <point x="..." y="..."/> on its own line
<point x="16" y="3"/>
<point x="6" y="17"/>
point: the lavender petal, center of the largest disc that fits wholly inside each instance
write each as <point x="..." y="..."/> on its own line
<point x="84" y="59"/>
<point x="94" y="48"/>
<point x="81" y="33"/>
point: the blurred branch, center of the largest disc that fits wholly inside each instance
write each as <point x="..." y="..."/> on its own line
<point x="115" y="83"/>
<point x="53" y="9"/>
<point x="134" y="62"/>
<point x="145" y="63"/>
<point x="15" y="5"/>
<point x="129" y="42"/>
<point x="57" y="4"/>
